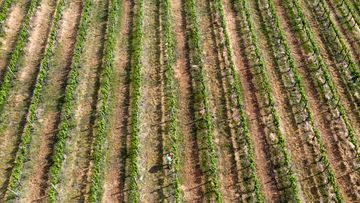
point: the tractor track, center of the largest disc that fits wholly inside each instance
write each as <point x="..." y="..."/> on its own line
<point x="151" y="170"/>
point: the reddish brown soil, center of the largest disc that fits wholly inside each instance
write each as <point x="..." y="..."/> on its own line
<point x="154" y="183"/>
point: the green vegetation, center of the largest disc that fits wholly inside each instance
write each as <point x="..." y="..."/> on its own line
<point x="15" y="55"/>
<point x="135" y="77"/>
<point x="249" y="178"/>
<point x="67" y="108"/>
<point x="4" y="8"/>
<point x="296" y="93"/>
<point x="101" y="123"/>
<point x="23" y="150"/>
<point x="319" y="72"/>
<point x="285" y="176"/>
<point x="170" y="94"/>
<point x="287" y="134"/>
<point x="204" y="125"/>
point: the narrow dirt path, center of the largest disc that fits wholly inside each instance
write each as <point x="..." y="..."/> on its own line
<point x="114" y="184"/>
<point x="315" y="105"/>
<point x="190" y="174"/>
<point x="354" y="116"/>
<point x="12" y="119"/>
<point x="252" y="107"/>
<point x="77" y="152"/>
<point x="35" y="170"/>
<point x="12" y="26"/>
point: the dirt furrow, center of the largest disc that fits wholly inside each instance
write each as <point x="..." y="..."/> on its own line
<point x="251" y="105"/>
<point x="354" y="116"/>
<point x="320" y="119"/>
<point x="11" y="28"/>
<point x="77" y="152"/>
<point x="114" y="184"/>
<point x="12" y="119"/>
<point x="190" y="173"/>
<point x="35" y="171"/>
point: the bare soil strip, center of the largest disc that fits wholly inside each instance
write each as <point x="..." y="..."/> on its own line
<point x="12" y="26"/>
<point x="35" y="171"/>
<point x="326" y="128"/>
<point x="251" y="106"/>
<point x="114" y="184"/>
<point x="12" y="119"/>
<point x="354" y="116"/>
<point x="191" y="176"/>
<point x="76" y="164"/>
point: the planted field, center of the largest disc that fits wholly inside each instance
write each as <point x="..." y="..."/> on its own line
<point x="179" y="101"/>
